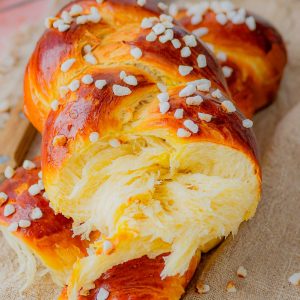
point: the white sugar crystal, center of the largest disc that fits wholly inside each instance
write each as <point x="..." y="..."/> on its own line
<point x="87" y="48"/>
<point x="230" y="287"/>
<point x="122" y="75"/>
<point x="151" y="37"/>
<point x="158" y="28"/>
<point x="58" y="23"/>
<point x="201" y="60"/>
<point x="114" y="143"/>
<point x="167" y="36"/>
<point x="34" y="189"/>
<point x="241" y="272"/>
<point x="94" y="137"/>
<point x="3" y="198"/>
<point x="100" y="84"/>
<point x="90" y="58"/>
<point x="136" y="52"/>
<point x="9" y="209"/>
<point x="120" y="90"/>
<point x="190" y="125"/>
<point x="13" y="227"/>
<point x="222" y="56"/>
<point x="9" y="172"/>
<point x="54" y="105"/>
<point x="164" y="107"/>
<point x="200" y="32"/>
<point x="251" y="23"/>
<point x="163" y="97"/>
<point x="65" y="16"/>
<point x="131" y="80"/>
<point x="63" y="27"/>
<point x="185" y="52"/>
<point x="173" y="9"/>
<point x="217" y="94"/>
<point x="103" y="294"/>
<point x="195" y="100"/>
<point x="162" y="87"/>
<point x="189" y="90"/>
<point x="227" y="71"/>
<point x="190" y="40"/>
<point x="66" y="66"/>
<point x="196" y="19"/>
<point x="24" y="223"/>
<point x="141" y="2"/>
<point x="94" y="15"/>
<point x="87" y="79"/>
<point x="162" y="6"/>
<point x="203" y="85"/>
<point x="36" y="213"/>
<point x="182" y="133"/>
<point x="74" y="85"/>
<point x="228" y="106"/>
<point x="178" y="113"/>
<point x="295" y="279"/>
<point x="28" y="165"/>
<point x="247" y="123"/>
<point x="203" y="288"/>
<point x="176" y="43"/>
<point x="76" y="10"/>
<point x="80" y="20"/>
<point x="185" y="70"/>
<point x="221" y="18"/>
<point x="107" y="246"/>
<point x="165" y="18"/>
<point x="205" y="117"/>
<point x="147" y="23"/>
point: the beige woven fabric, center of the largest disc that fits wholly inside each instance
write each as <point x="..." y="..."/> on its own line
<point x="269" y="245"/>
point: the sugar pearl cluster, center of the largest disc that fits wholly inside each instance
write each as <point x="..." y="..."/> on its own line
<point x="11" y="208"/>
<point x="75" y="14"/>
<point x="225" y="12"/>
<point x="192" y="93"/>
<point x="162" y="30"/>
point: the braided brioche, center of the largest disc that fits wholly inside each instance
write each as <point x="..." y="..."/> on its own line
<point x="143" y="147"/>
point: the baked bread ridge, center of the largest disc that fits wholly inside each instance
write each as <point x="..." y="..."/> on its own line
<point x="157" y="169"/>
<point x="246" y="44"/>
<point x="255" y="71"/>
<point x="29" y="219"/>
<point x="99" y="138"/>
<point x="140" y="279"/>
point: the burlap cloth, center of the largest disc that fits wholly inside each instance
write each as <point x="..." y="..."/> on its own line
<point x="269" y="245"/>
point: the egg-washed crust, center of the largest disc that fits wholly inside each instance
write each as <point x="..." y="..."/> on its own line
<point x="251" y="90"/>
<point x="101" y="112"/>
<point x="139" y="279"/>
<point x="252" y="86"/>
<point x="43" y="76"/>
<point x="49" y="237"/>
<point x="54" y="47"/>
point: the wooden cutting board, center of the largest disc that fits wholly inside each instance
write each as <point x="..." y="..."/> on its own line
<point x="15" y="139"/>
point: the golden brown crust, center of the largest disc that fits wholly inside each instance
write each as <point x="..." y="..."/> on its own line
<point x="90" y="109"/>
<point x="257" y="58"/>
<point x="49" y="237"/>
<point x="139" y="279"/>
<point x="99" y="113"/>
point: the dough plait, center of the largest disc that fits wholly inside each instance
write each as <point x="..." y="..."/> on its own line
<point x="142" y="142"/>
